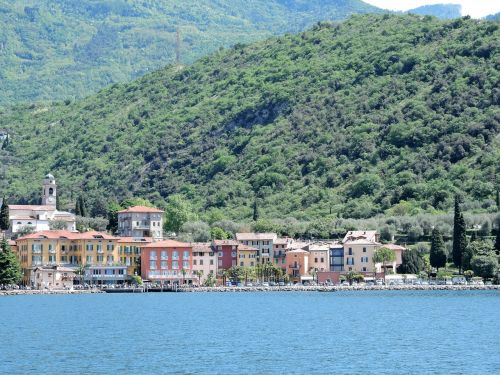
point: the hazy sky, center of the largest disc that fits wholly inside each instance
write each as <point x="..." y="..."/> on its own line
<point x="474" y="8"/>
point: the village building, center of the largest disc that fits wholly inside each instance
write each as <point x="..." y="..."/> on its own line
<point x="247" y="256"/>
<point x="40" y="217"/>
<point x="168" y="262"/>
<point x="140" y="221"/>
<point x="129" y="252"/>
<point x="297" y="262"/>
<point x="52" y="277"/>
<point x="227" y="253"/>
<point x="319" y="257"/>
<point x="264" y="242"/>
<point x="204" y="261"/>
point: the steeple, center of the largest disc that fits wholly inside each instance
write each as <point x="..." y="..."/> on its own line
<point x="49" y="194"/>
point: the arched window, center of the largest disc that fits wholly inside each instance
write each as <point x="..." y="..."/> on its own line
<point x="51" y="191"/>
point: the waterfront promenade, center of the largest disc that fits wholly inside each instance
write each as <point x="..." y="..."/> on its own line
<point x="294" y="288"/>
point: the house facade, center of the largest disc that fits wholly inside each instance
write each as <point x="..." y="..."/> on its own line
<point x="247" y="256"/>
<point x="297" y="262"/>
<point x="204" y="261"/>
<point x="227" y="253"/>
<point x="129" y="252"/>
<point x="168" y="262"/>
<point x="263" y="242"/>
<point x="52" y="277"/>
<point x="140" y="221"/>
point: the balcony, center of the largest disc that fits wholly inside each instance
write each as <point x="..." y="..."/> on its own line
<point x="294" y="266"/>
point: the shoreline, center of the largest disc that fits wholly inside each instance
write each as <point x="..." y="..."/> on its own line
<point x="326" y="289"/>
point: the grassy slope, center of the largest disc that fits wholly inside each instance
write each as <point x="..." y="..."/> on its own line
<point x="354" y="118"/>
<point x="70" y="48"/>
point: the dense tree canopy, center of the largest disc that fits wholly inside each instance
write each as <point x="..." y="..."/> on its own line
<point x="378" y="114"/>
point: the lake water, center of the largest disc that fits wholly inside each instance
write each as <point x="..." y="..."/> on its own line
<point x="389" y="332"/>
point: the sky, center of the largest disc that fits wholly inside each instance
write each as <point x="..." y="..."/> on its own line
<point x="474" y="8"/>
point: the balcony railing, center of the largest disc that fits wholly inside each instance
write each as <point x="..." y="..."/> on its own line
<point x="294" y="266"/>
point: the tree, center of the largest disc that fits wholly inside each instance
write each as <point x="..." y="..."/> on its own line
<point x="412" y="262"/>
<point x="81" y="207"/>
<point x="217" y="233"/>
<point x="351" y="276"/>
<point x="210" y="280"/>
<point x="485" y="266"/>
<point x="197" y="231"/>
<point x="57" y="225"/>
<point x="183" y="272"/>
<point x="384" y="255"/>
<point x="497" y="239"/>
<point x="437" y="254"/>
<point x="199" y="274"/>
<point x="4" y="215"/>
<point x="10" y="269"/>
<point x="255" y="216"/>
<point x="177" y="213"/>
<point x="113" y="209"/>
<point x="459" y="236"/>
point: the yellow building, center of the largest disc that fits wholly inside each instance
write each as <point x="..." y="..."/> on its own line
<point x="129" y="251"/>
<point x="247" y="256"/>
<point x="64" y="248"/>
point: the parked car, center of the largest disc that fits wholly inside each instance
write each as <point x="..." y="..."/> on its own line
<point x="265" y="283"/>
<point x="281" y="283"/>
<point x="249" y="284"/>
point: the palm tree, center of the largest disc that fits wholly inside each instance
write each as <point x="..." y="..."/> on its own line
<point x="384" y="255"/>
<point x="199" y="273"/>
<point x="183" y="271"/>
<point x="351" y="276"/>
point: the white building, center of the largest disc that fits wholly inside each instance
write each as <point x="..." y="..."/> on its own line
<point x="140" y="221"/>
<point x="52" y="277"/>
<point x="39" y="217"/>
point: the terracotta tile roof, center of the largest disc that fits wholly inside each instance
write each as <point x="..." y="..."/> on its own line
<point x="246" y="248"/>
<point x="369" y="235"/>
<point x="31" y="207"/>
<point x="360" y="241"/>
<point x="256" y="236"/>
<point x="394" y="246"/>
<point x="22" y="218"/>
<point x="141" y="209"/>
<point x="135" y="239"/>
<point x="65" y="234"/>
<point x="225" y="242"/>
<point x="167" y="243"/>
<point x="202" y="247"/>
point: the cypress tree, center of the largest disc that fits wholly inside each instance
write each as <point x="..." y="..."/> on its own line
<point x="437" y="256"/>
<point x="459" y="236"/>
<point x="4" y="215"/>
<point x="255" y="210"/>
<point x="497" y="240"/>
<point x="81" y="208"/>
<point x="10" y="269"/>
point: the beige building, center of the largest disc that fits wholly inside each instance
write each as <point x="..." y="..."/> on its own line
<point x="204" y="261"/>
<point x="319" y="257"/>
<point x="52" y="277"/>
<point x="359" y="248"/>
<point x="247" y="256"/>
<point x="263" y="242"/>
<point x="140" y="221"/>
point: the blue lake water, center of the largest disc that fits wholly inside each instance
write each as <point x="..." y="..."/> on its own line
<point x="438" y="332"/>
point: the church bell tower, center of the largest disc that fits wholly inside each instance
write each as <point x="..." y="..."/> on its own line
<point x="49" y="194"/>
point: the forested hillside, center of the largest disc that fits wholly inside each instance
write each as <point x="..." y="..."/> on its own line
<point x="63" y="49"/>
<point x="378" y="114"/>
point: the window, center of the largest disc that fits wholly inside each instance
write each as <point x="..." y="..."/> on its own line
<point x="315" y="260"/>
<point x="211" y="262"/>
<point x="220" y="263"/>
<point x="364" y="269"/>
<point x="175" y="265"/>
<point x="90" y="247"/>
<point x="194" y="262"/>
<point x="185" y="255"/>
<point x="163" y="255"/>
<point x="164" y="265"/>
<point x="364" y="249"/>
<point x="110" y="258"/>
<point x="152" y="264"/>
<point x="109" y="247"/>
<point x="152" y="255"/>
<point x="201" y="262"/>
<point x="322" y="260"/>
<point x="52" y="258"/>
<point x="251" y="264"/>
<point x="220" y="254"/>
<point x="233" y="254"/>
<point x="89" y="259"/>
<point x="350" y="251"/>
<point x="100" y="258"/>
<point x="185" y="264"/>
<point x="175" y="255"/>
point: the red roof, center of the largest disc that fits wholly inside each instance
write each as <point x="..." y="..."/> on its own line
<point x="226" y="242"/>
<point x="167" y="243"/>
<point x="246" y="248"/>
<point x="65" y="234"/>
<point x="31" y="207"/>
<point x="141" y="209"/>
<point x="135" y="240"/>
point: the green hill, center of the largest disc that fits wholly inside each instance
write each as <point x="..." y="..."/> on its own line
<point x="62" y="49"/>
<point x="374" y="114"/>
